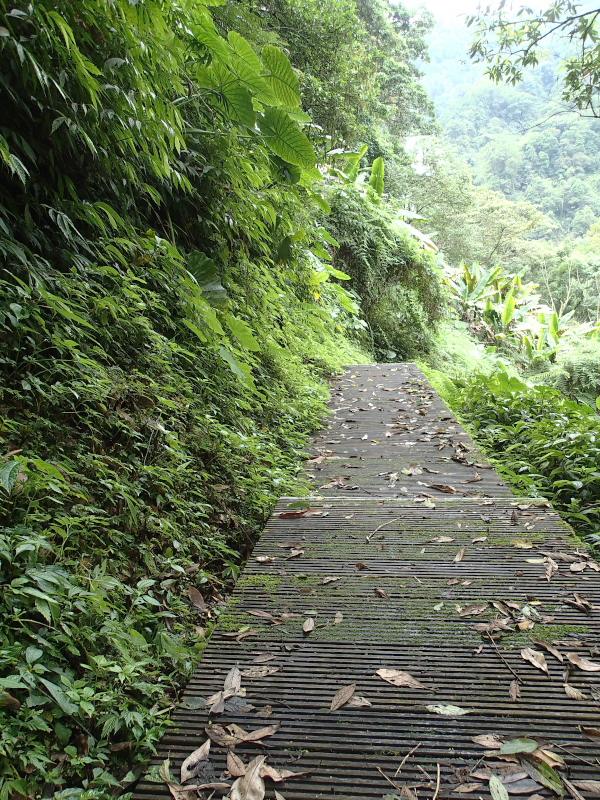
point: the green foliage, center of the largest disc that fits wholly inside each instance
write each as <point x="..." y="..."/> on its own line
<point x="546" y="443"/>
<point x="511" y="42"/>
<point x="162" y="360"/>
<point x="396" y="279"/>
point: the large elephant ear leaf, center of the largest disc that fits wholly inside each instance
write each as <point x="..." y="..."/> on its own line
<point x="286" y="139"/>
<point x="280" y="76"/>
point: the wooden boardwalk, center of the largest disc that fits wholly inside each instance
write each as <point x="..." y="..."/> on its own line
<point x="416" y="587"/>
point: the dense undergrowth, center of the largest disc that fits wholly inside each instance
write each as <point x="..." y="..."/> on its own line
<point x="542" y="442"/>
<point x="168" y="318"/>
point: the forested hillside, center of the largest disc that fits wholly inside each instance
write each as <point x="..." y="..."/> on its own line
<point x="206" y="208"/>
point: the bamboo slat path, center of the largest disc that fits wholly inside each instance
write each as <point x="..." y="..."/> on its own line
<point x="411" y="555"/>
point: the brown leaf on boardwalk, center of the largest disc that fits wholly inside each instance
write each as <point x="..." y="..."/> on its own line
<point x="295" y="554"/>
<point x="233" y="680"/>
<point x="432" y="471"/>
<point x="489" y="740"/>
<point x="259" y="672"/>
<point x="338" y="618"/>
<point x="580" y="602"/>
<point x="309" y="625"/>
<point x="262" y="657"/>
<point x="593" y="787"/>
<point x="583" y="663"/>
<point x="191" y="763"/>
<point x="278" y="775"/>
<point x="235" y="765"/>
<point x="479" y="539"/>
<point x="342" y="696"/>
<point x="514" y="691"/>
<point x="536" y="658"/>
<point x="523" y="544"/>
<point x="475" y="479"/>
<point x="467" y="788"/>
<point x="256" y="612"/>
<point x="440" y="540"/>
<point x="574" y="693"/>
<point x="550" y="648"/>
<point x="442" y="487"/>
<point x="330" y="579"/>
<point x="223" y="737"/>
<point x="360" y="566"/>
<point x="382" y="593"/>
<point x="265" y="559"/>
<point x="474" y="610"/>
<point x="359" y="701"/>
<point x="551" y="568"/>
<point x="452" y="582"/>
<point x="279" y="796"/>
<point x="287" y="514"/>
<point x="579" y="566"/>
<point x="249" y="786"/>
<point x="398" y="678"/>
<point x="261" y="733"/>
<point x="591" y="733"/>
<point x="526" y="624"/>
<point x="196" y="599"/>
<point x="460" y="555"/>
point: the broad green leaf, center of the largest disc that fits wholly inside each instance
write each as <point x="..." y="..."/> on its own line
<point x="280" y="75"/>
<point x="8" y="475"/>
<point x="236" y="99"/>
<point x="206" y="33"/>
<point x="543" y="773"/>
<point x="61" y="698"/>
<point x="509" y="310"/>
<point x="252" y="81"/>
<point x="498" y="789"/>
<point x="241" y="370"/>
<point x="376" y="180"/>
<point x="242" y="331"/>
<point x="195" y="329"/>
<point x="285" y="139"/>
<point x="519" y="746"/>
<point x="244" y="51"/>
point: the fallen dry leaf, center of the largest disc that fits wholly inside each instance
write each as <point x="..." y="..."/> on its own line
<point x="278" y="775"/>
<point x="440" y="540"/>
<point x="360" y="565"/>
<point x="573" y="692"/>
<point x="196" y="599"/>
<point x="467" y="788"/>
<point x="233" y="680"/>
<point x="448" y="710"/>
<point x="460" y="555"/>
<point x="249" y="786"/>
<point x="489" y="740"/>
<point x="262" y="657"/>
<point x="382" y="593"/>
<point x="398" y="678"/>
<point x="256" y="612"/>
<point x="523" y="544"/>
<point x="235" y="765"/>
<point x="583" y="663"/>
<point x="359" y="701"/>
<point x="442" y="487"/>
<point x="514" y="691"/>
<point x="550" y="648"/>
<point x="593" y="787"/>
<point x="330" y="579"/>
<point x="259" y="672"/>
<point x="308" y="625"/>
<point x="474" y="610"/>
<point x="579" y="566"/>
<point x="189" y="766"/>
<point x="536" y="658"/>
<point x="262" y="733"/>
<point x="342" y="696"/>
<point x="591" y="733"/>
